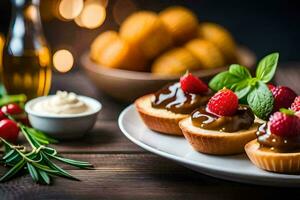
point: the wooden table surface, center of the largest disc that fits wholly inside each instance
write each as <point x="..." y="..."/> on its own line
<point x="125" y="171"/>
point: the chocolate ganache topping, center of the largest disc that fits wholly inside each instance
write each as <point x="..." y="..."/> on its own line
<point x="276" y="143"/>
<point x="174" y="99"/>
<point x="242" y="120"/>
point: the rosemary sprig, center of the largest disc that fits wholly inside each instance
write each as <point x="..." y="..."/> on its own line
<point x="38" y="162"/>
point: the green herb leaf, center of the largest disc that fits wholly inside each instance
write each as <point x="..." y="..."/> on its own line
<point x="261" y="100"/>
<point x="287" y="111"/>
<point x="243" y="92"/>
<point x="44" y="176"/>
<point x="223" y="79"/>
<point x="8" y="154"/>
<point x="2" y="90"/>
<point x="239" y="71"/>
<point x="267" y="67"/>
<point x="76" y="163"/>
<point x="33" y="173"/>
<point x="13" y="171"/>
<point x="6" y="99"/>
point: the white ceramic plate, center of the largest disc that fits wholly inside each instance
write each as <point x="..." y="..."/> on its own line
<point x="235" y="168"/>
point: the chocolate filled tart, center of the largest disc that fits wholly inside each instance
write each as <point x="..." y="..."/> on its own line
<point x="174" y="99"/>
<point x="242" y="120"/>
<point x="272" y="142"/>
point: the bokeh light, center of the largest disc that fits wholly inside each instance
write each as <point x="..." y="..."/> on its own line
<point x="31" y="13"/>
<point x="70" y="9"/>
<point x="92" y="15"/>
<point x="2" y="41"/>
<point x="122" y="9"/>
<point x="63" y="60"/>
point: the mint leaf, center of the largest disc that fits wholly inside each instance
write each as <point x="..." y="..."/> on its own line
<point x="267" y="67"/>
<point x="287" y="111"/>
<point x="242" y="88"/>
<point x="261" y="100"/>
<point x="223" y="79"/>
<point x="239" y="71"/>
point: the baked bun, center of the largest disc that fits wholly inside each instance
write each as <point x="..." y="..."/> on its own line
<point x="111" y="51"/>
<point x="272" y="161"/>
<point x="101" y="42"/>
<point x="216" y="142"/>
<point x="221" y="38"/>
<point x="206" y="52"/>
<point x="145" y="31"/>
<point x="160" y="120"/>
<point x="175" y="62"/>
<point x="181" y="22"/>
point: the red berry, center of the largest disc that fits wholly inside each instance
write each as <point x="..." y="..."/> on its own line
<point x="192" y="84"/>
<point x="12" y="109"/>
<point x="2" y="115"/>
<point x="284" y="125"/>
<point x="283" y="97"/>
<point x="9" y="130"/>
<point x="271" y="86"/>
<point x="296" y="104"/>
<point x="223" y="103"/>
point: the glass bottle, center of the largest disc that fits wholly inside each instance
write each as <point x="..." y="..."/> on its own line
<point x="26" y="56"/>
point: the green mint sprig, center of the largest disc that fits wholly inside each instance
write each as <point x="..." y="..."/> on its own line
<point x="250" y="90"/>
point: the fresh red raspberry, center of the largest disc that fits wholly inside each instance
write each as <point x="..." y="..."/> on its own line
<point x="284" y="125"/>
<point x="271" y="86"/>
<point x="283" y="97"/>
<point x="12" y="109"/>
<point x="296" y="104"/>
<point x="223" y="103"/>
<point x="192" y="84"/>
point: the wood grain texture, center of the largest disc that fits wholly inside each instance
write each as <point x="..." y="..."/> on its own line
<point x="136" y="176"/>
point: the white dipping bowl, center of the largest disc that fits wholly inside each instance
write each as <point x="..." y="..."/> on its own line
<point x="64" y="126"/>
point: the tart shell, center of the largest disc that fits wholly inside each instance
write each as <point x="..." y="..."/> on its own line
<point x="160" y="120"/>
<point x="216" y="142"/>
<point x="272" y="161"/>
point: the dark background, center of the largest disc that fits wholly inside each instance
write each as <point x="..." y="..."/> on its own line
<point x="262" y="25"/>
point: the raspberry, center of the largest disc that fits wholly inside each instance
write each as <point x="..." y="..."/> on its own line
<point x="296" y="104"/>
<point x="223" y="103"/>
<point x="283" y="97"/>
<point x="192" y="84"/>
<point x="284" y="125"/>
<point x="271" y="86"/>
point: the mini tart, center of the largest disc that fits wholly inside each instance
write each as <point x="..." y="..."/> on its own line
<point x="160" y="120"/>
<point x="272" y="161"/>
<point x="216" y="142"/>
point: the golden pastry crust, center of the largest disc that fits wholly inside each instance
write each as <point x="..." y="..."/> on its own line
<point x="272" y="161"/>
<point x="145" y="31"/>
<point x="101" y="42"/>
<point x="109" y="50"/>
<point x="160" y="120"/>
<point x="220" y="37"/>
<point x="181" y="22"/>
<point x="175" y="62"/>
<point x="206" y="52"/>
<point x="215" y="142"/>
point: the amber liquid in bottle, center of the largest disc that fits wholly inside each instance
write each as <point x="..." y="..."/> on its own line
<point x="26" y="56"/>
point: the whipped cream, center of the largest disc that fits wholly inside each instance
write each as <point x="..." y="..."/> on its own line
<point x="61" y="103"/>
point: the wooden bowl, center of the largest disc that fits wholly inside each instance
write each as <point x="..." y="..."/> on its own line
<point x="128" y="85"/>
